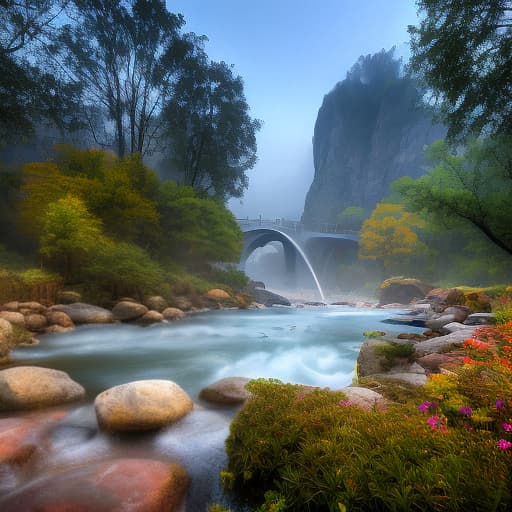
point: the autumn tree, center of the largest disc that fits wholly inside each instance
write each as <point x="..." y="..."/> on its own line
<point x="462" y="51"/>
<point x="390" y="234"/>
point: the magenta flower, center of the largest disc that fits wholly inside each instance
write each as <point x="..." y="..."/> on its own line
<point x="437" y="423"/>
<point x="507" y="427"/>
<point x="427" y="406"/>
<point x="504" y="445"/>
<point x="345" y="403"/>
<point x="465" y="411"/>
<point x="499" y="405"/>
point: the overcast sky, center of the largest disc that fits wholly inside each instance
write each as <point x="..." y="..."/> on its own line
<point x="291" y="53"/>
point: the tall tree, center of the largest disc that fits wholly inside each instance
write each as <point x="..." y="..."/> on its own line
<point x="462" y="49"/>
<point x="127" y="55"/>
<point x="212" y="136"/>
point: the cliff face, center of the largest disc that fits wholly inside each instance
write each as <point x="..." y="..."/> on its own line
<point x="369" y="132"/>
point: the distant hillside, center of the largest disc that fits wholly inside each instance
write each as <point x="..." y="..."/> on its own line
<point x="370" y="130"/>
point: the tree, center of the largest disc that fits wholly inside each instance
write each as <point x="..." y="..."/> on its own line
<point x="351" y="218"/>
<point x="473" y="187"/>
<point x="199" y="230"/>
<point x="70" y="233"/>
<point x="462" y="49"/>
<point x="389" y="234"/>
<point x="212" y="136"/>
<point x="126" y="55"/>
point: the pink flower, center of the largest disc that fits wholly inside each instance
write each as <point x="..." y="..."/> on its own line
<point x="345" y="403"/>
<point x="300" y="396"/>
<point x="437" y="423"/>
<point x="465" y="411"/>
<point x="504" y="445"/>
<point x="507" y="427"/>
<point x="427" y="406"/>
<point x="499" y="405"/>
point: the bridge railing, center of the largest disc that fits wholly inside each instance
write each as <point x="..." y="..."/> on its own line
<point x="294" y="225"/>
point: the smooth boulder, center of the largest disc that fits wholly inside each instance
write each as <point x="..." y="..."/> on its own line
<point x="228" y="391"/>
<point x="217" y="294"/>
<point x="156" y="303"/>
<point x="141" y="405"/>
<point x="13" y="317"/>
<point x="82" y="313"/>
<point x="32" y="387"/>
<point x="127" y="310"/>
<point x="173" y="314"/>
<point x="5" y="335"/>
<point x="35" y="322"/>
<point x="364" y="398"/>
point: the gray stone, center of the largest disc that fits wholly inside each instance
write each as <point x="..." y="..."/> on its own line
<point x="437" y="324"/>
<point x="369" y="361"/>
<point x="441" y="343"/>
<point x="365" y="398"/>
<point x="230" y="390"/>
<point x="268" y="298"/>
<point x="459" y="312"/>
<point x="456" y="326"/>
<point x="480" y="319"/>
<point x="141" y="405"/>
<point x="81" y="313"/>
<point x="30" y="387"/>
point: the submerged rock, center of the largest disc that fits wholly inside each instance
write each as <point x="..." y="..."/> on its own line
<point x="230" y="390"/>
<point x="141" y="405"/>
<point x="31" y="387"/>
<point x="118" y="485"/>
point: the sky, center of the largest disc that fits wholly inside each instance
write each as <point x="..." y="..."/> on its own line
<point x="290" y="53"/>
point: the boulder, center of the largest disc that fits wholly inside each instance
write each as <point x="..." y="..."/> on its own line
<point x="365" y="398"/>
<point x="230" y="390"/>
<point x="437" y="324"/>
<point x="11" y="306"/>
<point x="5" y="336"/>
<point x="432" y="362"/>
<point x="31" y="387"/>
<point x="442" y="343"/>
<point x="456" y="326"/>
<point x="268" y="298"/>
<point x="58" y="329"/>
<point x="480" y="319"/>
<point x="217" y="294"/>
<point x="459" y="312"/>
<point x="151" y="317"/>
<point x="369" y="361"/>
<point x="440" y="298"/>
<point x="156" y="303"/>
<point x="141" y="405"/>
<point x="127" y="310"/>
<point x="118" y="485"/>
<point x="34" y="307"/>
<point x="183" y="303"/>
<point x="35" y="322"/>
<point x="81" y="313"/>
<point x="173" y="314"/>
<point x="402" y="290"/>
<point x="409" y="375"/>
<point x="68" y="297"/>
<point x="13" y="317"/>
<point x="59" y="318"/>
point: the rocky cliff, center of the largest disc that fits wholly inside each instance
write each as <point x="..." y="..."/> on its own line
<point x="370" y="130"/>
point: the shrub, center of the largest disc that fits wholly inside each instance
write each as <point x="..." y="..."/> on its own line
<point x="394" y="350"/>
<point x="310" y="449"/>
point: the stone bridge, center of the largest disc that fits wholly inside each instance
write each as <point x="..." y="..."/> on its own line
<point x="318" y="249"/>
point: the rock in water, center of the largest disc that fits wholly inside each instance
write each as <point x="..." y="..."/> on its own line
<point x="141" y="405"/>
<point x="230" y="390"/>
<point x="127" y="310"/>
<point x="31" y="387"/>
<point x="173" y="314"/>
<point x="268" y="298"/>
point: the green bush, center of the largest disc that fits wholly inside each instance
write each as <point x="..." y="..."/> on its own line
<point x="293" y="448"/>
<point x="393" y="350"/>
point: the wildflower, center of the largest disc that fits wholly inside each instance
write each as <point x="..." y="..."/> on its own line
<point x="437" y="423"/>
<point x="507" y="427"/>
<point x="465" y="411"/>
<point x="427" y="406"/>
<point x="468" y="427"/>
<point x="500" y="405"/>
<point x="300" y="396"/>
<point x="504" y="445"/>
<point x="345" y="403"/>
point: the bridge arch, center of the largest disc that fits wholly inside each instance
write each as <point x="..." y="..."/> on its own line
<point x="259" y="237"/>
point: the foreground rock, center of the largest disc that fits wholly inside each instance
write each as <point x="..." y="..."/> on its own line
<point x="81" y="313"/>
<point x="119" y="485"/>
<point x="268" y="298"/>
<point x="127" y="310"/>
<point x="365" y="398"/>
<point x="442" y="343"/>
<point x="228" y="391"/>
<point x="31" y="387"/>
<point x="141" y="405"/>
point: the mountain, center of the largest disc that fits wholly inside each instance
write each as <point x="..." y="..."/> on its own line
<point x="371" y="129"/>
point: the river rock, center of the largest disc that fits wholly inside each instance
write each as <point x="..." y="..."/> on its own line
<point x="181" y="302"/>
<point x="118" y="485"/>
<point x="156" y="303"/>
<point x="68" y="297"/>
<point x="369" y="361"/>
<point x="151" y="317"/>
<point x="5" y="335"/>
<point x="141" y="405"/>
<point x="11" y="306"/>
<point x="460" y="313"/>
<point x="82" y="313"/>
<point x="456" y="326"/>
<point x="13" y="317"/>
<point x="230" y="390"/>
<point x="268" y="298"/>
<point x="58" y="329"/>
<point x="127" y="310"/>
<point x="217" y="294"/>
<point x="33" y="307"/>
<point x="31" y="387"/>
<point x="59" y="318"/>
<point x="433" y="362"/>
<point x="35" y="322"/>
<point x="442" y="343"/>
<point x="173" y="314"/>
<point x="402" y="290"/>
<point x="480" y="319"/>
<point x="437" y="324"/>
<point x="365" y="398"/>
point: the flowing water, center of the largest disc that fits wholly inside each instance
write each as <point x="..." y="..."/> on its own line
<point x="316" y="346"/>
